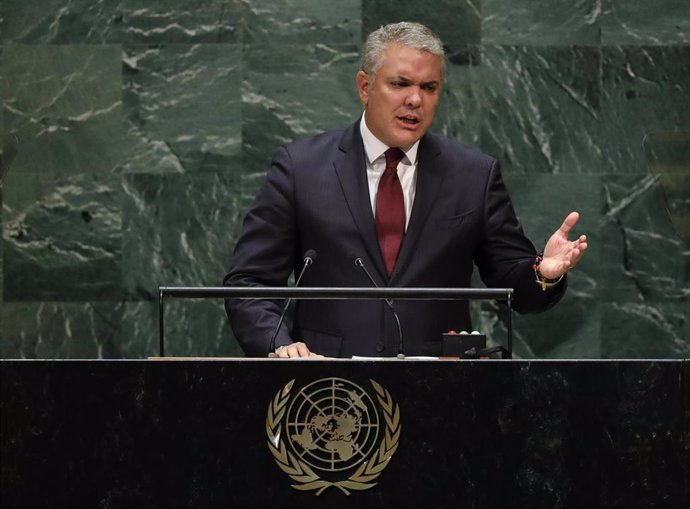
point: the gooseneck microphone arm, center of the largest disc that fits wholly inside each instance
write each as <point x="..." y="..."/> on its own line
<point x="308" y="259"/>
<point x="401" y="351"/>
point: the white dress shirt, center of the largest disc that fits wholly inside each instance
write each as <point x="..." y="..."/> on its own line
<point x="376" y="165"/>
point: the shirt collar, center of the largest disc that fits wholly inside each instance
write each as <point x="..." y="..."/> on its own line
<point x="375" y="148"/>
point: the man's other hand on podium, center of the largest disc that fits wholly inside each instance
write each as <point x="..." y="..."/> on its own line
<point x="295" y="350"/>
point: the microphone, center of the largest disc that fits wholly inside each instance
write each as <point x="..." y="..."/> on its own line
<point x="401" y="351"/>
<point x="309" y="257"/>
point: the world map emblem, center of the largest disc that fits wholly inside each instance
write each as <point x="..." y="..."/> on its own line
<point x="333" y="433"/>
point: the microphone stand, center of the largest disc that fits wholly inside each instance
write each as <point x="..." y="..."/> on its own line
<point x="309" y="257"/>
<point x="401" y="352"/>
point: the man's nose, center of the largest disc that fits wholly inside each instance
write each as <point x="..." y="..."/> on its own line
<point x="414" y="98"/>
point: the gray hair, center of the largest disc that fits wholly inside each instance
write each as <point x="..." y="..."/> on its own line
<point x="405" y="33"/>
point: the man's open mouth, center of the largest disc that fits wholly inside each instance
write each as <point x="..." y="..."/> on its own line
<point x="409" y="120"/>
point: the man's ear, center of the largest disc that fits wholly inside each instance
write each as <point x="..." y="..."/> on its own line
<point x="362" y="81"/>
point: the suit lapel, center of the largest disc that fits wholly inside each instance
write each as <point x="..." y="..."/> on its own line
<point x="429" y="179"/>
<point x="351" y="168"/>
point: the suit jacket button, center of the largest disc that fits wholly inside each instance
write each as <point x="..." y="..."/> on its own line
<point x="380" y="347"/>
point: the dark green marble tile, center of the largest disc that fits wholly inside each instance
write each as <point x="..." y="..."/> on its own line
<point x="3" y="172"/>
<point x="2" y="258"/>
<point x="458" y="115"/>
<point x="543" y="201"/>
<point x="193" y="328"/>
<point x="58" y="330"/>
<point x="250" y="21"/>
<point x="61" y="21"/>
<point x="645" y="330"/>
<point x="62" y="238"/>
<point x="140" y="332"/>
<point x="618" y="282"/>
<point x="536" y="109"/>
<point x="644" y="259"/>
<point x="456" y="22"/>
<point x="303" y="21"/>
<point x="662" y="22"/>
<point x="178" y="230"/>
<point x="250" y="184"/>
<point x="213" y="114"/>
<point x="65" y="103"/>
<point x="669" y="162"/>
<point x="571" y="328"/>
<point x="293" y="91"/>
<point x="644" y="98"/>
<point x="182" y="106"/>
<point x="183" y="21"/>
<point x="541" y="22"/>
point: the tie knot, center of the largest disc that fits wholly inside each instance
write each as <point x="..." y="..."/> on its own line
<point x="393" y="157"/>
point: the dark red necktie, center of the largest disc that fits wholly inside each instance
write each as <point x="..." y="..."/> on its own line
<point x="390" y="210"/>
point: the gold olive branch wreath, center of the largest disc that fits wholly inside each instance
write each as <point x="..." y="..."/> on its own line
<point x="303" y="475"/>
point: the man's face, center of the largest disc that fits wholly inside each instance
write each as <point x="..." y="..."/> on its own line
<point x="401" y="101"/>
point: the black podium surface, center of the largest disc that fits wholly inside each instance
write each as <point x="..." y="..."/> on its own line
<point x="195" y="433"/>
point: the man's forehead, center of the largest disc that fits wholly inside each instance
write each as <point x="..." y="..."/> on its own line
<point x="396" y="51"/>
<point x="397" y="48"/>
<point x="410" y="70"/>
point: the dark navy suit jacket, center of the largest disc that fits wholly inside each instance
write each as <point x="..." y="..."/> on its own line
<point x="316" y="196"/>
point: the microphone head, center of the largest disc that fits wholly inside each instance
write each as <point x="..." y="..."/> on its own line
<point x="311" y="254"/>
<point x="359" y="262"/>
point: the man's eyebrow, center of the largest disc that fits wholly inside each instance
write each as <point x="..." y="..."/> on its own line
<point x="408" y="80"/>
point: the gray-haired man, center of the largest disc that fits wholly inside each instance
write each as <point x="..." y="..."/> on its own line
<point x="420" y="210"/>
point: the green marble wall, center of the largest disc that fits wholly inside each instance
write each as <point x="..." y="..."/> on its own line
<point x="146" y="127"/>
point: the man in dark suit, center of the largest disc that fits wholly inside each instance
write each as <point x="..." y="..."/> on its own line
<point x="419" y="210"/>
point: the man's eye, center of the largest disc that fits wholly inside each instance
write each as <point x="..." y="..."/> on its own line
<point x="399" y="84"/>
<point x="430" y="88"/>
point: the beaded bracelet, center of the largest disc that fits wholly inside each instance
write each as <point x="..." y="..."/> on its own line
<point x="543" y="281"/>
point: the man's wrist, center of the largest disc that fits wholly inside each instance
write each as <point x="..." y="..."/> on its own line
<point x="540" y="278"/>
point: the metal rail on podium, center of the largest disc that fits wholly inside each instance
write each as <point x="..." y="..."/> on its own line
<point x="225" y="292"/>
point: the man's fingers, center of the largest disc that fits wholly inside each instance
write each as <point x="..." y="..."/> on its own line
<point x="570" y="221"/>
<point x="577" y="254"/>
<point x="302" y="350"/>
<point x="292" y="351"/>
<point x="561" y="254"/>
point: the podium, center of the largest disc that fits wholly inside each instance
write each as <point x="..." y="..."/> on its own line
<point x="251" y="433"/>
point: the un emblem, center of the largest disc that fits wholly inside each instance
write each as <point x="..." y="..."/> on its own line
<point x="332" y="428"/>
